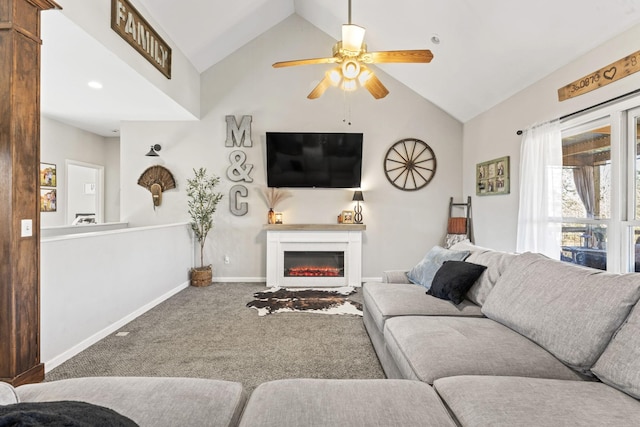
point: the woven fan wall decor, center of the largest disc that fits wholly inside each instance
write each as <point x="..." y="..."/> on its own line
<point x="157" y="179"/>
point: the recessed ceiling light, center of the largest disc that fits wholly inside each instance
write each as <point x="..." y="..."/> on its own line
<point x="435" y="39"/>
<point x="95" y="84"/>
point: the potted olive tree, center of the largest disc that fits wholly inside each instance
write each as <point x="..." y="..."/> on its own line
<point x="202" y="201"/>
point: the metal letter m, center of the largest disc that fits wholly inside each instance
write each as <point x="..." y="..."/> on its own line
<point x="238" y="135"/>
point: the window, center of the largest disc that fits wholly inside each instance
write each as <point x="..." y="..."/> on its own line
<point x="601" y="189"/>
<point x="586" y="194"/>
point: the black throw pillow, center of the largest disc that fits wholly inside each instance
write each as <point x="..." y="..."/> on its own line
<point x="454" y="279"/>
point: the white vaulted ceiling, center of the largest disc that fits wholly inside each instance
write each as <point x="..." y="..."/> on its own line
<point x="489" y="50"/>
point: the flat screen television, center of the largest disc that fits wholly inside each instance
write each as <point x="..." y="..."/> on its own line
<point x="315" y="160"/>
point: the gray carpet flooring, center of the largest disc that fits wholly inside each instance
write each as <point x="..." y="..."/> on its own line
<point x="210" y="333"/>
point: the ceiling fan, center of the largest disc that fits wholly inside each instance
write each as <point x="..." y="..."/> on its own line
<point x="352" y="56"/>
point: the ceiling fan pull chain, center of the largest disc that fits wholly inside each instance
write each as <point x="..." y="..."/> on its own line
<point x="346" y="111"/>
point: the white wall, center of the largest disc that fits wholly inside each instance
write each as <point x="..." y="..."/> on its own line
<point x="78" y="200"/>
<point x="401" y="226"/>
<point x="94" y="17"/>
<point x="59" y="142"/>
<point x="84" y="298"/>
<point x="493" y="133"/>
<point x="112" y="180"/>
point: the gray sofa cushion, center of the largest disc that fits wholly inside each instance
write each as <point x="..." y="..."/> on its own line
<point x="496" y="263"/>
<point x="511" y="401"/>
<point x="428" y="348"/>
<point x="569" y="310"/>
<point x="384" y="300"/>
<point x="619" y="365"/>
<point x="313" y="402"/>
<point x="8" y="394"/>
<point x="150" y="401"/>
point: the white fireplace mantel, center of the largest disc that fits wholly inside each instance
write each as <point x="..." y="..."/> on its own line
<point x="345" y="238"/>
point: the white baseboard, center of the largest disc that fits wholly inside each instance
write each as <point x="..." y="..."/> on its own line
<point x="264" y="279"/>
<point x="58" y="360"/>
<point x="239" y="279"/>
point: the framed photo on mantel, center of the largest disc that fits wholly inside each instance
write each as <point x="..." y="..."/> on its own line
<point x="492" y="177"/>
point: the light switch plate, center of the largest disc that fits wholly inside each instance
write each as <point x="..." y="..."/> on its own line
<point x="27" y="228"/>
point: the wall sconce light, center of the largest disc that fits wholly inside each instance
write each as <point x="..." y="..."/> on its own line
<point x="358" y="197"/>
<point x="153" y="152"/>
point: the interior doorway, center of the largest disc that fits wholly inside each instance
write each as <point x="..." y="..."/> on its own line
<point x="85" y="193"/>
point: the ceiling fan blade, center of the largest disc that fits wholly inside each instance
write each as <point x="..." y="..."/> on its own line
<point x="331" y="60"/>
<point x="410" y="56"/>
<point x="319" y="90"/>
<point x="375" y="87"/>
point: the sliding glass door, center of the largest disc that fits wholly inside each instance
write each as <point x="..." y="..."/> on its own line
<point x="631" y="227"/>
<point x="601" y="189"/>
<point x="586" y="193"/>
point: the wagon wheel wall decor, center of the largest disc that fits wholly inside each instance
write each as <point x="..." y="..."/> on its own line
<point x="410" y="164"/>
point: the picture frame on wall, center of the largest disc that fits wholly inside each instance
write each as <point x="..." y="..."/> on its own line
<point x="48" y="177"/>
<point x="492" y="177"/>
<point x="48" y="200"/>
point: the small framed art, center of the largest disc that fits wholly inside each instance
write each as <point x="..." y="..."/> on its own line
<point x="48" y="199"/>
<point x="492" y="177"/>
<point x="347" y="217"/>
<point x="48" y="175"/>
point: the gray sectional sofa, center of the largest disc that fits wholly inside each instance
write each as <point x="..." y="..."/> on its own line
<point x="537" y="342"/>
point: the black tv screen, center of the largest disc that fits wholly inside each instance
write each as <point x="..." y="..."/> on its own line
<point x="320" y="160"/>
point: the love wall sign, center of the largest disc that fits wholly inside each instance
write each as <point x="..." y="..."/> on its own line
<point x="609" y="74"/>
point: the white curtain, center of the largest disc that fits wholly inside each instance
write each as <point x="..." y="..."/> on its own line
<point x="540" y="212"/>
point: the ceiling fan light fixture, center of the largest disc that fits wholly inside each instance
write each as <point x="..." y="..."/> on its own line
<point x="352" y="38"/>
<point x="349" y="85"/>
<point x="364" y="76"/>
<point x="350" y="69"/>
<point x="335" y="76"/>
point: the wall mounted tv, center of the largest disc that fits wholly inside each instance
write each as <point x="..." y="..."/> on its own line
<point x="316" y="160"/>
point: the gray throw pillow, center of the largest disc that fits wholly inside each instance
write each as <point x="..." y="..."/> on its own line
<point x="423" y="273"/>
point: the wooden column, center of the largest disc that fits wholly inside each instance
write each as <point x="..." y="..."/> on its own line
<point x="19" y="190"/>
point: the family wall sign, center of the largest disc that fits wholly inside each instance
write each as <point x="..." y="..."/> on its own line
<point x="135" y="30"/>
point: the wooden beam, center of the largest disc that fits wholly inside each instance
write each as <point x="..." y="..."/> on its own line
<point x="19" y="193"/>
<point x="587" y="147"/>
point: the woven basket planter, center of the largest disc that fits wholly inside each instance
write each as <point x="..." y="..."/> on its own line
<point x="201" y="276"/>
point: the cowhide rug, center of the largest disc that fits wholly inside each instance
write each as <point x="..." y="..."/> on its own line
<point x="325" y="301"/>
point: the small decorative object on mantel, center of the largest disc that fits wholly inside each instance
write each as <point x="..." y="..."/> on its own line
<point x="273" y="196"/>
<point x="202" y="202"/>
<point x="157" y="179"/>
<point x="492" y="177"/>
<point x="278" y="217"/>
<point x="347" y="217"/>
<point x="358" y="197"/>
